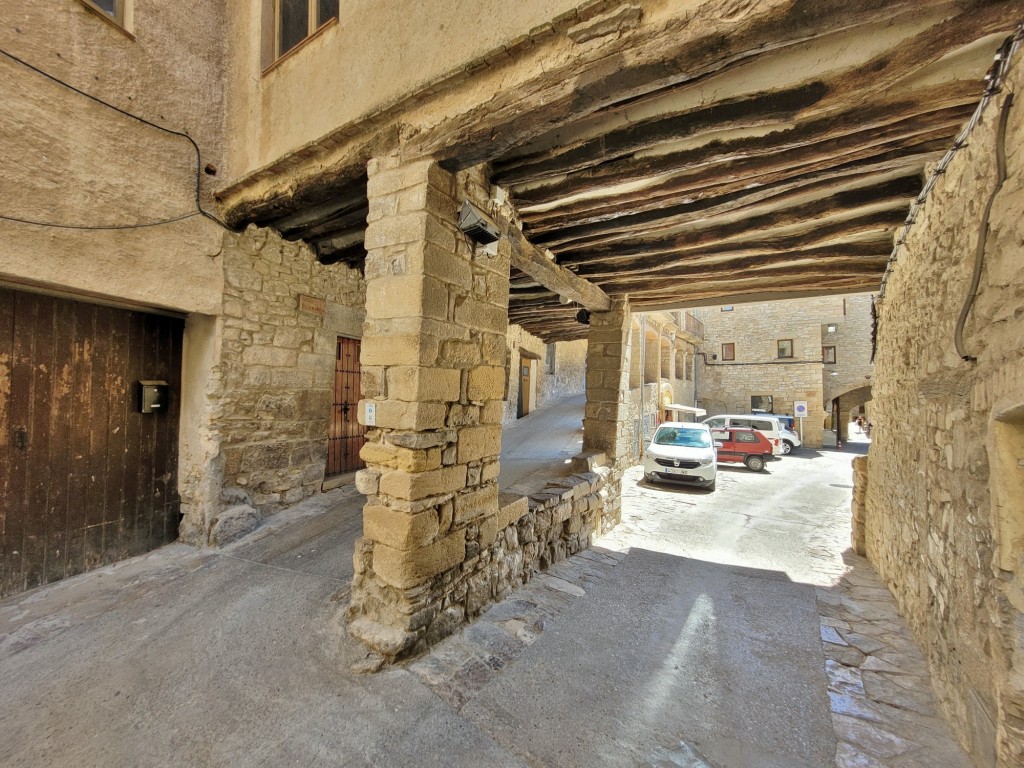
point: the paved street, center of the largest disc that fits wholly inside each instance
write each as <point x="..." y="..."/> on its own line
<point x="723" y="630"/>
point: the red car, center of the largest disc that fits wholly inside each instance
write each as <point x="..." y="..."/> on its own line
<point x="742" y="445"/>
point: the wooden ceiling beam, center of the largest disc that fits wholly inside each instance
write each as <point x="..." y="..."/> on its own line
<point x="531" y="260"/>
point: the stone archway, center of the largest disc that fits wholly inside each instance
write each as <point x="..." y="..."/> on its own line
<point x="844" y="403"/>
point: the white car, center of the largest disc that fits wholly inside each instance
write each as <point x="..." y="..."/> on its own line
<point x="790" y="440"/>
<point x="682" y="452"/>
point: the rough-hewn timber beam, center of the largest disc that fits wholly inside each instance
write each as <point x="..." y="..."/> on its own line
<point x="530" y="259"/>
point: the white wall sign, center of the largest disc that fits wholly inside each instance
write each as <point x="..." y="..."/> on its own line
<point x="800" y="409"/>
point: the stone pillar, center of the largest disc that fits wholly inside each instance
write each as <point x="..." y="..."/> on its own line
<point x="606" y="426"/>
<point x="433" y="369"/>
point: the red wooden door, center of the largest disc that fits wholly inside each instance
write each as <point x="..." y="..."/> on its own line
<point x="346" y="435"/>
<point x="85" y="478"/>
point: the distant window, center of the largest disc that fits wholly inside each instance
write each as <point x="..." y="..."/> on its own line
<point x="112" y="9"/>
<point x="295" y="20"/>
<point x="764" y="426"/>
<point x="828" y="354"/>
<point x="729" y="351"/>
<point x="785" y="347"/>
<point x="727" y="308"/>
<point x="715" y="422"/>
<point x="550" y="358"/>
<point x="761" y="403"/>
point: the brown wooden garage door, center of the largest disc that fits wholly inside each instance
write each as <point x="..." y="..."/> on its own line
<point x="85" y="478"/>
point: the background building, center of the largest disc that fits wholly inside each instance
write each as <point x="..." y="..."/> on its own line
<point x="768" y="355"/>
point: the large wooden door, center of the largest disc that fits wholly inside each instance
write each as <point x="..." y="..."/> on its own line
<point x="346" y="434"/>
<point x="85" y="478"/>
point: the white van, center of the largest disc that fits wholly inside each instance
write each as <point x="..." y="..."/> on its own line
<point x="769" y="426"/>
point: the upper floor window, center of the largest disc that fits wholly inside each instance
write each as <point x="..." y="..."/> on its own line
<point x="295" y="20"/>
<point x="828" y="354"/>
<point x="785" y="347"/>
<point x="550" y="358"/>
<point x="729" y="351"/>
<point x="117" y="11"/>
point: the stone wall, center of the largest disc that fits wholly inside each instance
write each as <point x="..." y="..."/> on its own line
<point x="756" y="328"/>
<point x="944" y="524"/>
<point x="567" y="379"/>
<point x="270" y="391"/>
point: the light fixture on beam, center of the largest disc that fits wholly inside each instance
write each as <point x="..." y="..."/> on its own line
<point x="563" y="299"/>
<point x="477" y="225"/>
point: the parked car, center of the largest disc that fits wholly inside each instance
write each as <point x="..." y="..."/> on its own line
<point x="767" y="425"/>
<point x="741" y="445"/>
<point x="790" y="440"/>
<point x="790" y="437"/>
<point x="681" y="452"/>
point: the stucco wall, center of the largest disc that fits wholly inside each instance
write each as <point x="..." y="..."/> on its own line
<point x="377" y="53"/>
<point x="944" y="522"/>
<point x="69" y="160"/>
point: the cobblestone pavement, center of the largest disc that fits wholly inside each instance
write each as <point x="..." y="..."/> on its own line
<point x="882" y="706"/>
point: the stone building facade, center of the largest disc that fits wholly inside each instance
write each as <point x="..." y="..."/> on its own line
<point x="944" y="506"/>
<point x="813" y="349"/>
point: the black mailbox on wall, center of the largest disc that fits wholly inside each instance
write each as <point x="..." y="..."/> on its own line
<point x="152" y="396"/>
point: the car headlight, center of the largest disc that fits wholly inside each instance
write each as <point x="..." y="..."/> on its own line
<point x="706" y="462"/>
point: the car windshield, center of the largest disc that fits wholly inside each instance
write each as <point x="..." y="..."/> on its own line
<point x="687" y="438"/>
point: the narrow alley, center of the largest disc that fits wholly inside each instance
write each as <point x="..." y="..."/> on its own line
<point x="730" y="629"/>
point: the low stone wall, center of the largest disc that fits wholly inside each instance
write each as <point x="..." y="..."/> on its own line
<point x="503" y="551"/>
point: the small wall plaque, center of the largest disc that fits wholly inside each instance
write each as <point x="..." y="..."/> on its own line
<point x="312" y="305"/>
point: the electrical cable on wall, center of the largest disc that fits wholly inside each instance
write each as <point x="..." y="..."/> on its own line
<point x="199" y="163"/>
<point x="979" y="253"/>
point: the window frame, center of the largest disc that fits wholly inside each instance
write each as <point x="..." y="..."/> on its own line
<point x="272" y="54"/>
<point x="825" y="356"/>
<point x="778" y="349"/>
<point x="731" y="347"/>
<point x="550" y="358"/>
<point x="121" y="18"/>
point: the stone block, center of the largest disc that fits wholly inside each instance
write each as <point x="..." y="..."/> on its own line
<point x="270" y="356"/>
<point x="430" y="259"/>
<point x="398" y="349"/>
<point x="406" y="296"/>
<point x="474" y="504"/>
<point x="416" y="383"/>
<point x="232" y="524"/>
<point x="511" y="508"/>
<point x="395" y="230"/>
<point x="481" y="315"/>
<point x="420" y="485"/>
<point x="418" y="440"/>
<point x="457" y="353"/>
<point x="489" y="528"/>
<point x="478" y="442"/>
<point x="368" y="481"/>
<point x="486" y="383"/>
<point x="398" y="529"/>
<point x="395" y="457"/>
<point x="414" y="417"/>
<point x="492" y="412"/>
<point x="405" y="569"/>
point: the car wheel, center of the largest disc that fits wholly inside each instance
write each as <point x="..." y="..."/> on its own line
<point x="754" y="463"/>
<point x="710" y="488"/>
<point x="787" y="448"/>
